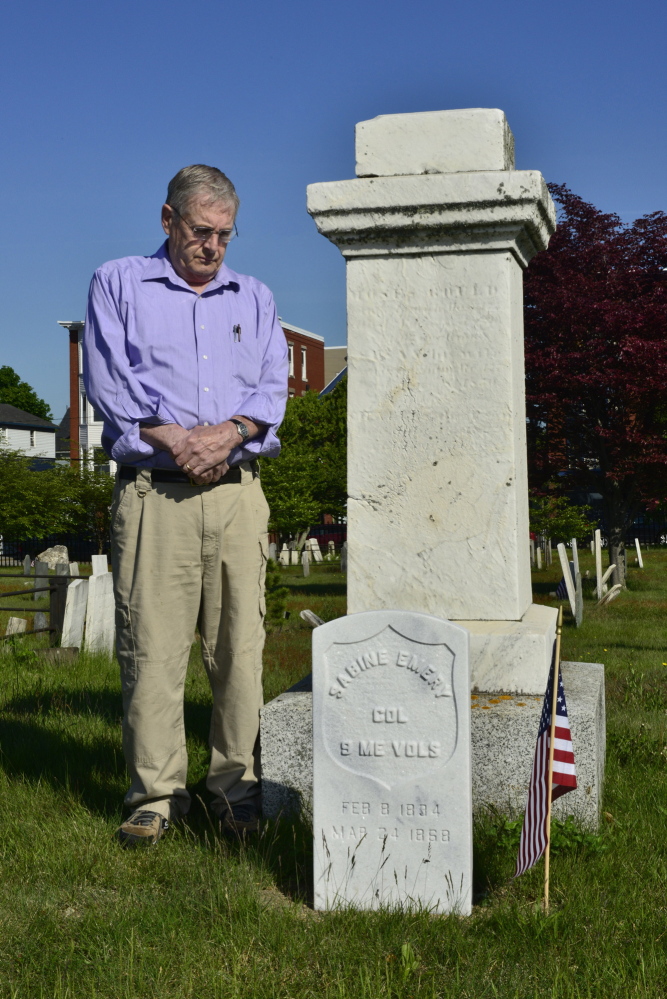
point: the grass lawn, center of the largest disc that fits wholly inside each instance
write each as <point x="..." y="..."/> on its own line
<point x="201" y="918"/>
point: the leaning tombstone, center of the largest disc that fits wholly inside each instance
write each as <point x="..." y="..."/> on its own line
<point x="607" y="598"/>
<point x="41" y="578"/>
<point x="639" y="554"/>
<point x="75" y="614"/>
<point x="27" y="566"/>
<point x="100" y="614"/>
<point x="565" y="565"/>
<point x="575" y="556"/>
<point x="16" y="625"/>
<point x="392" y="792"/>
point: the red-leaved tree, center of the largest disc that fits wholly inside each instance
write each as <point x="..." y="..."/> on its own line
<point x="596" y="361"/>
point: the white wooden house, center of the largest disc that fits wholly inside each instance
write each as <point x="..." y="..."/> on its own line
<point x="21" y="431"/>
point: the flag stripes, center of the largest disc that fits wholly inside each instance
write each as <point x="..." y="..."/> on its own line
<point x="534" y="832"/>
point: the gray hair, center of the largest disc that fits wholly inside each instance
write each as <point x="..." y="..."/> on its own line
<point x="200" y="180"/>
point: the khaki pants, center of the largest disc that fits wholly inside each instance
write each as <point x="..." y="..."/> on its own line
<point x="187" y="556"/>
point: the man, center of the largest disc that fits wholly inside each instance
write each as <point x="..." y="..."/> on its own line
<point x="187" y="362"/>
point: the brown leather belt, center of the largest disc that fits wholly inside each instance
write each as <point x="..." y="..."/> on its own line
<point x="164" y="475"/>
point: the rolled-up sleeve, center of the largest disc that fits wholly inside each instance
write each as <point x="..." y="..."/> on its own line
<point x="110" y="383"/>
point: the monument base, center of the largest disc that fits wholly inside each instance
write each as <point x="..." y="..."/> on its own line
<point x="513" y="657"/>
<point x="503" y="731"/>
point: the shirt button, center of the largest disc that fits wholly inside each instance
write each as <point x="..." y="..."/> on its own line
<point x="205" y="390"/>
<point x="202" y="327"/>
<point x="206" y="423"/>
<point x="205" y="356"/>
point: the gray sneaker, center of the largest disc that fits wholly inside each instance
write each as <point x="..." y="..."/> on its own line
<point x="142" y="828"/>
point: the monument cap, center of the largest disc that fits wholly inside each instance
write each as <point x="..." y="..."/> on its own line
<point x="470" y="139"/>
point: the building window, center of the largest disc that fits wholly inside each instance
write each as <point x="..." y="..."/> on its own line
<point x="290" y="394"/>
<point x="303" y="364"/>
<point x="84" y="409"/>
<point x="290" y="350"/>
<point x="32" y="438"/>
<point x="97" y="416"/>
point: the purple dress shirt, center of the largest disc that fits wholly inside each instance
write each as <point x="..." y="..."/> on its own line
<point x="156" y="351"/>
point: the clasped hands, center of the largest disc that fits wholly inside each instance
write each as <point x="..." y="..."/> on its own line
<point x="201" y="452"/>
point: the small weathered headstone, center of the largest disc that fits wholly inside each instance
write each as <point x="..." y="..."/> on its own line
<point x="592" y="548"/>
<point x="272" y="550"/>
<point x="62" y="568"/>
<point x="41" y="578"/>
<point x="315" y="549"/>
<point x="608" y="573"/>
<point x="578" y="601"/>
<point x="284" y="555"/>
<point x="575" y="556"/>
<point x="639" y="554"/>
<point x="532" y="552"/>
<point x="27" y="566"/>
<point x="294" y="557"/>
<point x="53" y="556"/>
<point x="74" y="568"/>
<point x="343" y="557"/>
<point x="75" y="614"/>
<point x="538" y="557"/>
<point x="305" y="562"/>
<point x="100" y="565"/>
<point x="16" y="625"/>
<point x="310" y="618"/>
<point x="611" y="595"/>
<point x="392" y="796"/>
<point x="549" y="552"/>
<point x="40" y="621"/>
<point x="331" y="548"/>
<point x="100" y="614"/>
<point x="598" y="564"/>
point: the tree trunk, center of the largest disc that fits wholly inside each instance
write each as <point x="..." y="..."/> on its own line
<point x="617" y="515"/>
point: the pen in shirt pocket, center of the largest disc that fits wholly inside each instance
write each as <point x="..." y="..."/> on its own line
<point x="237" y="333"/>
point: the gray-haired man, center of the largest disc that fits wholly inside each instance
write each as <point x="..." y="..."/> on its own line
<point x="187" y="362"/>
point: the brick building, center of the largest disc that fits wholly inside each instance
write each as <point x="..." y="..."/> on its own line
<point x="306" y="360"/>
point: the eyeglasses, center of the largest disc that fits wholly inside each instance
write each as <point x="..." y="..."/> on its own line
<point x="203" y="233"/>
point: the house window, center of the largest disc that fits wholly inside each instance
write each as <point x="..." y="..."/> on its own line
<point x="97" y="416"/>
<point x="290" y="349"/>
<point x="32" y="438"/>
<point x="84" y="408"/>
<point x="291" y="393"/>
<point x="303" y="364"/>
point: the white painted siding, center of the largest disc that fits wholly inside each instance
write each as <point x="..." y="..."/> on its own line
<point x="20" y="440"/>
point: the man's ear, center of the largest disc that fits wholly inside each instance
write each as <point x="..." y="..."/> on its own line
<point x="167" y="218"/>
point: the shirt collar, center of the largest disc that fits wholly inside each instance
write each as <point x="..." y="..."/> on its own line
<point x="159" y="267"/>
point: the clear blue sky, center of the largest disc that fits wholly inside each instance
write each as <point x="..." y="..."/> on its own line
<point x="103" y="102"/>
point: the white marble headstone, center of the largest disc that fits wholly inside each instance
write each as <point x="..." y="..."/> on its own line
<point x="100" y="564"/>
<point x="100" y="614"/>
<point x="392" y="798"/>
<point x="75" y="614"/>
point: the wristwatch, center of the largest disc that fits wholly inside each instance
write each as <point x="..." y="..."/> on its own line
<point x="242" y="429"/>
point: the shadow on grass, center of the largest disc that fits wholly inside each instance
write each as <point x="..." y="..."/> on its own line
<point x="38" y="743"/>
<point x="317" y="589"/>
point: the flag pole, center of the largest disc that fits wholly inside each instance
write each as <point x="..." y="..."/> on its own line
<point x="552" y="739"/>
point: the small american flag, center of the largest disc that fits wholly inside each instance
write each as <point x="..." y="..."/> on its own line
<point x="534" y="833"/>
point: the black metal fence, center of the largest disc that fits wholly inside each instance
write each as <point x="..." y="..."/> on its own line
<point x="80" y="548"/>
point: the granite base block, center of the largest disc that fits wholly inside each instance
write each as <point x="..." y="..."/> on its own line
<point x="503" y="732"/>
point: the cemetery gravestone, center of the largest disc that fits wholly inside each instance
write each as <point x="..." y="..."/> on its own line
<point x="567" y="576"/>
<point x="41" y="579"/>
<point x="575" y="556"/>
<point x="75" y="614"/>
<point x="100" y="564"/>
<point x="392" y="805"/>
<point x="284" y="555"/>
<point x="294" y="557"/>
<point x="53" y="556"/>
<point x="343" y="557"/>
<point x="598" y="564"/>
<point x="578" y="601"/>
<point x="74" y="568"/>
<point x="27" y="566"/>
<point x="100" y="614"/>
<point x="272" y="550"/>
<point x="305" y="562"/>
<point x="16" y="625"/>
<point x="538" y="554"/>
<point x="639" y="554"/>
<point x="40" y="621"/>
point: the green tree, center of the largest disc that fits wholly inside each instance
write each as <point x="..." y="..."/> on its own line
<point x="64" y="499"/>
<point x="15" y="392"/>
<point x="308" y="478"/>
<point x="557" y="518"/>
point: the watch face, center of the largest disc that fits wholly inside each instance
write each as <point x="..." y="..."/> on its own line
<point x="242" y="429"/>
